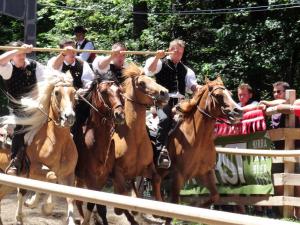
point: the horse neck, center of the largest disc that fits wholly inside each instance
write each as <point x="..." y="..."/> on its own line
<point x="135" y="113"/>
<point x="201" y="121"/>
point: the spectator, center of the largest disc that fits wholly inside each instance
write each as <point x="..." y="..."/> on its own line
<point x="83" y="43"/>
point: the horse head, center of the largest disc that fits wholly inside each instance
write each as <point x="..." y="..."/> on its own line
<point x="107" y="98"/>
<point x="214" y="101"/>
<point x="144" y="90"/>
<point x="219" y="102"/>
<point x="62" y="103"/>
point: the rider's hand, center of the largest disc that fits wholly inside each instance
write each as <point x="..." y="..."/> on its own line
<point x="160" y="54"/>
<point x="26" y="48"/>
<point x="68" y="50"/>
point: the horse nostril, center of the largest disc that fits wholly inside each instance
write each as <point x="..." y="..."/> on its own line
<point x="163" y="93"/>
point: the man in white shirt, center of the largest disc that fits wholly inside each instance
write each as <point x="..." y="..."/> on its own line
<point x="83" y="43"/>
<point x="114" y="62"/>
<point x="19" y="75"/>
<point x="171" y="73"/>
<point x="83" y="77"/>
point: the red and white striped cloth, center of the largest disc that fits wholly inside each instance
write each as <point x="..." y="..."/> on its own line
<point x="252" y="121"/>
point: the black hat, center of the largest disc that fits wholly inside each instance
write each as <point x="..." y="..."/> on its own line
<point x="79" y="29"/>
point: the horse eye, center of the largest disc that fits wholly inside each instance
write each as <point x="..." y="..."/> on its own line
<point x="56" y="93"/>
<point x="143" y="84"/>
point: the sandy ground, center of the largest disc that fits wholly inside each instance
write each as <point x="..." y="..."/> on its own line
<point x="35" y="216"/>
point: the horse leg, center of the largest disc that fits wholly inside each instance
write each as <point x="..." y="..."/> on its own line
<point x="88" y="213"/>
<point x="47" y="208"/>
<point x="70" y="181"/>
<point x="33" y="201"/>
<point x="119" y="186"/>
<point x="19" y="213"/>
<point x="177" y="184"/>
<point x="208" y="180"/>
<point x="79" y="183"/>
<point x="102" y="211"/>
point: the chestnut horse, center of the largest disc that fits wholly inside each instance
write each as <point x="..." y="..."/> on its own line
<point x="96" y="149"/>
<point x="191" y="144"/>
<point x="134" y="154"/>
<point x="50" y="147"/>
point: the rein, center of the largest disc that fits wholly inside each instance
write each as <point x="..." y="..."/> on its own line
<point x="204" y="112"/>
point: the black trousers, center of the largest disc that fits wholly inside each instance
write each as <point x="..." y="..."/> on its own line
<point x="82" y="112"/>
<point x="165" y="123"/>
<point x="18" y="142"/>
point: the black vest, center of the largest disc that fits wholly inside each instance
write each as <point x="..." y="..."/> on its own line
<point x="117" y="73"/>
<point x="22" y="80"/>
<point x="92" y="55"/>
<point x="172" y="77"/>
<point x="76" y="72"/>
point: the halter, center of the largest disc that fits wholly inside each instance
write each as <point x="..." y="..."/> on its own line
<point x="213" y="98"/>
<point x="153" y="98"/>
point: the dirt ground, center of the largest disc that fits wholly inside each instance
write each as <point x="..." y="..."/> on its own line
<point x="35" y="216"/>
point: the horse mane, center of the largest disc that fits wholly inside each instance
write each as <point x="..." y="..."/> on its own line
<point x="131" y="71"/>
<point x="34" y="105"/>
<point x="187" y="105"/>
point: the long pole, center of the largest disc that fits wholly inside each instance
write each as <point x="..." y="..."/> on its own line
<point x="35" y="49"/>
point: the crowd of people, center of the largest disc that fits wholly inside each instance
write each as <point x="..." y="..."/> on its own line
<point x="20" y="74"/>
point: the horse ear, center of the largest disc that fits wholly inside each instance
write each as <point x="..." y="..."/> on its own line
<point x="206" y="80"/>
<point x="219" y="78"/>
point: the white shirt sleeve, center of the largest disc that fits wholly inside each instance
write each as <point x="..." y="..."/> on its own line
<point x="87" y="75"/>
<point x="96" y="63"/>
<point x="85" y="55"/>
<point x="6" y="70"/>
<point x="148" y="63"/>
<point x="51" y="62"/>
<point x="190" y="79"/>
<point x="40" y="72"/>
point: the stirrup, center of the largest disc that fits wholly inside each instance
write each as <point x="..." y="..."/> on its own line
<point x="164" y="160"/>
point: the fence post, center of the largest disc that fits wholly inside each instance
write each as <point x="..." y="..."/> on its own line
<point x="288" y="145"/>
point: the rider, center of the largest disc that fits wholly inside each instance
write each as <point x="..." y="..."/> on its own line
<point x="171" y="73"/>
<point x="20" y="75"/>
<point x="115" y="62"/>
<point x="82" y="79"/>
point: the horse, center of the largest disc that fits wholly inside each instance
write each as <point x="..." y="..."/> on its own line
<point x="96" y="149"/>
<point x="134" y="154"/>
<point x="50" y="147"/>
<point x="191" y="144"/>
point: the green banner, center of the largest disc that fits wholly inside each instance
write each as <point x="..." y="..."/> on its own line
<point x="238" y="174"/>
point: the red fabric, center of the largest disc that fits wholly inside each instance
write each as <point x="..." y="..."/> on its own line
<point x="252" y="121"/>
<point x="297" y="110"/>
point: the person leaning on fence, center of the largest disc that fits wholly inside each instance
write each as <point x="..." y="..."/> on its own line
<point x="171" y="73"/>
<point x="115" y="62"/>
<point x="278" y="121"/>
<point x="82" y="79"/>
<point x="20" y="75"/>
<point x="245" y="94"/>
<point x="85" y="44"/>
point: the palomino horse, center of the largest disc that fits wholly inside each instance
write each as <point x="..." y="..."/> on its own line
<point x="132" y="144"/>
<point x="96" y="149"/>
<point x="191" y="144"/>
<point x="51" y="149"/>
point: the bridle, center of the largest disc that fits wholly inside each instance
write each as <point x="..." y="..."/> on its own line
<point x="55" y="105"/>
<point x="135" y="84"/>
<point x="212" y="98"/>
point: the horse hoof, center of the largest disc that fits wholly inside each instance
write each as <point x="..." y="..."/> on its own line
<point x="118" y="211"/>
<point x="134" y="213"/>
<point x="47" y="209"/>
<point x="19" y="220"/>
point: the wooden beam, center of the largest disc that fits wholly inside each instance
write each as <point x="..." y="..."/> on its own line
<point x="284" y="133"/>
<point x="289" y="179"/>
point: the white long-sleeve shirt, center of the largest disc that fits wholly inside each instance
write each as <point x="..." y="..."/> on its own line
<point x="7" y="69"/>
<point x="190" y="78"/>
<point x="87" y="74"/>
